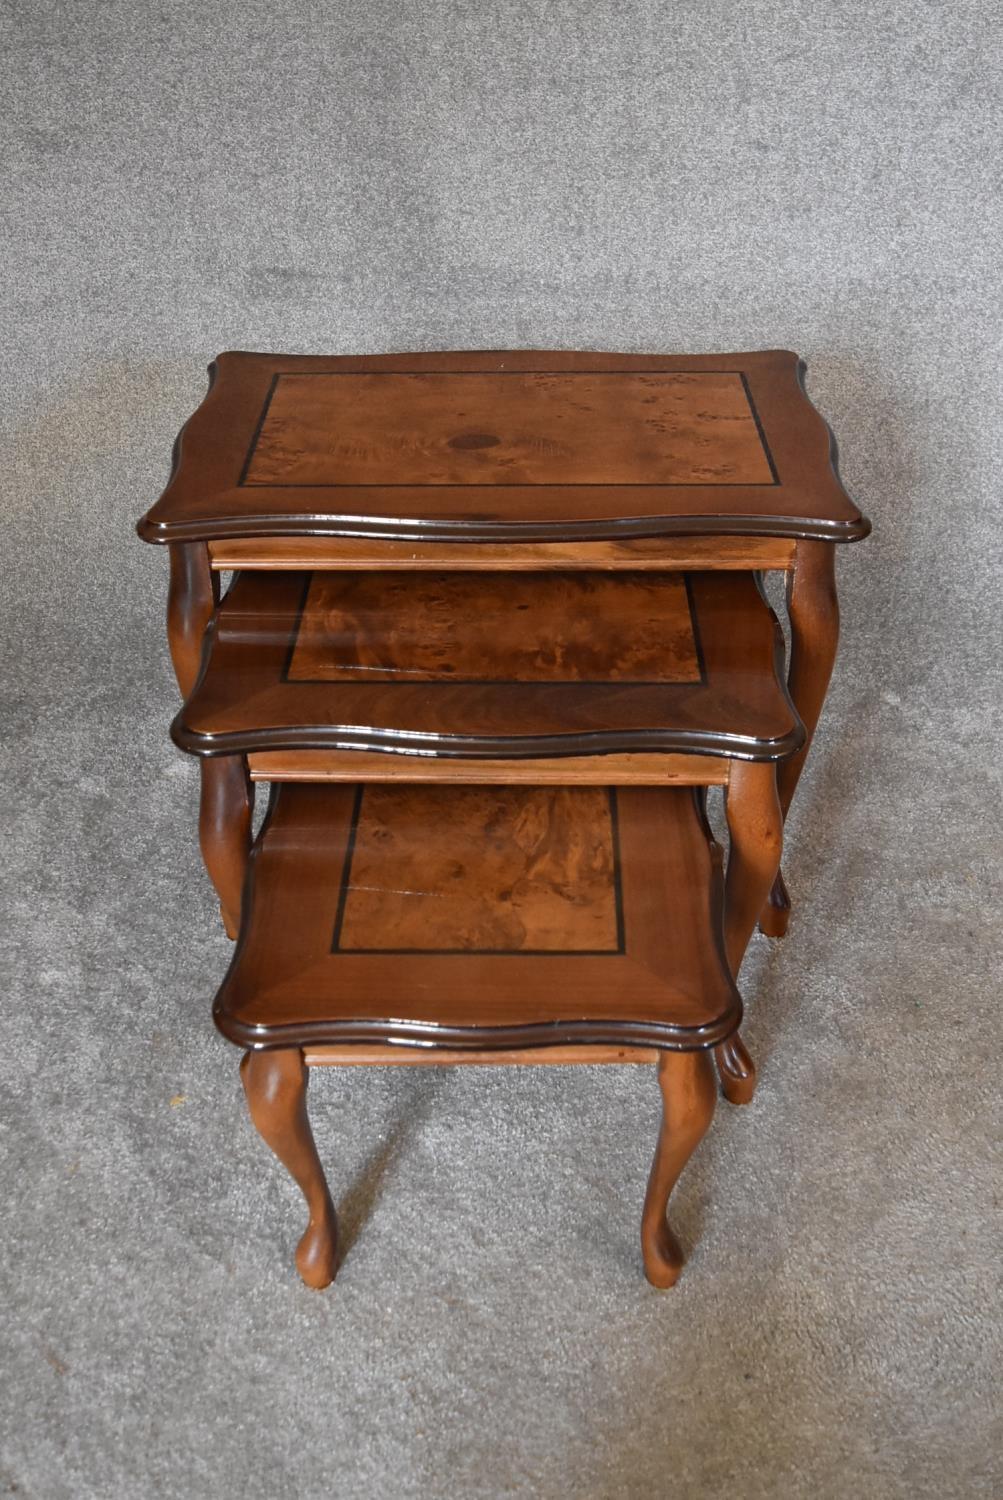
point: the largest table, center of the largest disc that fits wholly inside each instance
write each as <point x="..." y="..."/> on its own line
<point x="513" y="460"/>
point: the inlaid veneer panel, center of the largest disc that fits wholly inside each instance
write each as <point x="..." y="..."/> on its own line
<point x="502" y="870"/>
<point x="582" y="665"/>
<point x="509" y="428"/>
<point x="505" y="446"/>
<point x="578" y="627"/>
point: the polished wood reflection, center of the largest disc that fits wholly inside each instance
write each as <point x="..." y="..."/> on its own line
<point x="567" y="627"/>
<point x="505" y="446"/>
<point x="247" y="700"/>
<point x="276" y="1087"/>
<point x="686" y="1081"/>
<point x="656" y="973"/>
<point x="275" y="1081"/>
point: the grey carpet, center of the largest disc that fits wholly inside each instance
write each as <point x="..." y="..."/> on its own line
<point x="182" y="178"/>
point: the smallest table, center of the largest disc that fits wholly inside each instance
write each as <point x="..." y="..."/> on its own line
<point x="423" y="924"/>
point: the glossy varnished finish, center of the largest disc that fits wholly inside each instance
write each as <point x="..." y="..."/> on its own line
<point x="468" y="627"/>
<point x="566" y="664"/>
<point x="526" y="870"/>
<point x="493" y="893"/>
<point x="813" y="607"/>
<point x="736" y="1070"/>
<point x="275" y="1082"/>
<point x="192" y="595"/>
<point x="528" y="445"/>
<point x="387" y="1055"/>
<point x="276" y="1085"/>
<point x="225" y="812"/>
<point x="475" y="567"/>
<point x="626" y="769"/>
<point x="474" y="924"/>
<point x="755" y="828"/>
<point x="656" y="514"/>
<point x="506" y="427"/>
<point x="686" y="1080"/>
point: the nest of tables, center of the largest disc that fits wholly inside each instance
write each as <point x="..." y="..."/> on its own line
<point x="495" y="625"/>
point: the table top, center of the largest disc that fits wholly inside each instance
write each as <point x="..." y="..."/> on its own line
<point x="481" y="917"/>
<point x="506" y="665"/>
<point x="494" y="446"/>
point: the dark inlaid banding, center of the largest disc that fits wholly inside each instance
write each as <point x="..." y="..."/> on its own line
<point x="591" y="447"/>
<point x="558" y="664"/>
<point x="612" y="920"/>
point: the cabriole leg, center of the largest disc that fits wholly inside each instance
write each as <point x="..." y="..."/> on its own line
<point x="813" y="609"/>
<point x="275" y="1084"/>
<point x="686" y="1080"/>
<point x="192" y="595"/>
<point x="756" y="829"/>
<point x="225" y="815"/>
<point x="755" y="824"/>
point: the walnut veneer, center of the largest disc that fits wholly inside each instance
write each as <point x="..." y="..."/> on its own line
<point x="527" y="916"/>
<point x="529" y="445"/>
<point x="492" y="665"/>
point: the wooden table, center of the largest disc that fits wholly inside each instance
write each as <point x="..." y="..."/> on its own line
<point x="514" y="461"/>
<point x="481" y="924"/>
<point x="496" y="625"/>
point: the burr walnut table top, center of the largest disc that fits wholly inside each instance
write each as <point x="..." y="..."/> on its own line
<point x="467" y="664"/>
<point x="529" y="445"/>
<point x="481" y="917"/>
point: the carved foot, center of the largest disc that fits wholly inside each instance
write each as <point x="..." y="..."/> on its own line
<point x="686" y="1080"/>
<point x="275" y="1084"/>
<point x="317" y="1254"/>
<point x="776" y="914"/>
<point x="736" y="1070"/>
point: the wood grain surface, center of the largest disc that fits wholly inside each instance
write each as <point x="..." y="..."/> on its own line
<point x="566" y="770"/>
<point x="490" y="627"/>
<point x="486" y="428"/>
<point x="246" y="700"/>
<point x="525" y="445"/>
<point x="501" y="870"/>
<point x="355" y="553"/>
<point x="667" y="985"/>
<point x="389" y="1055"/>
